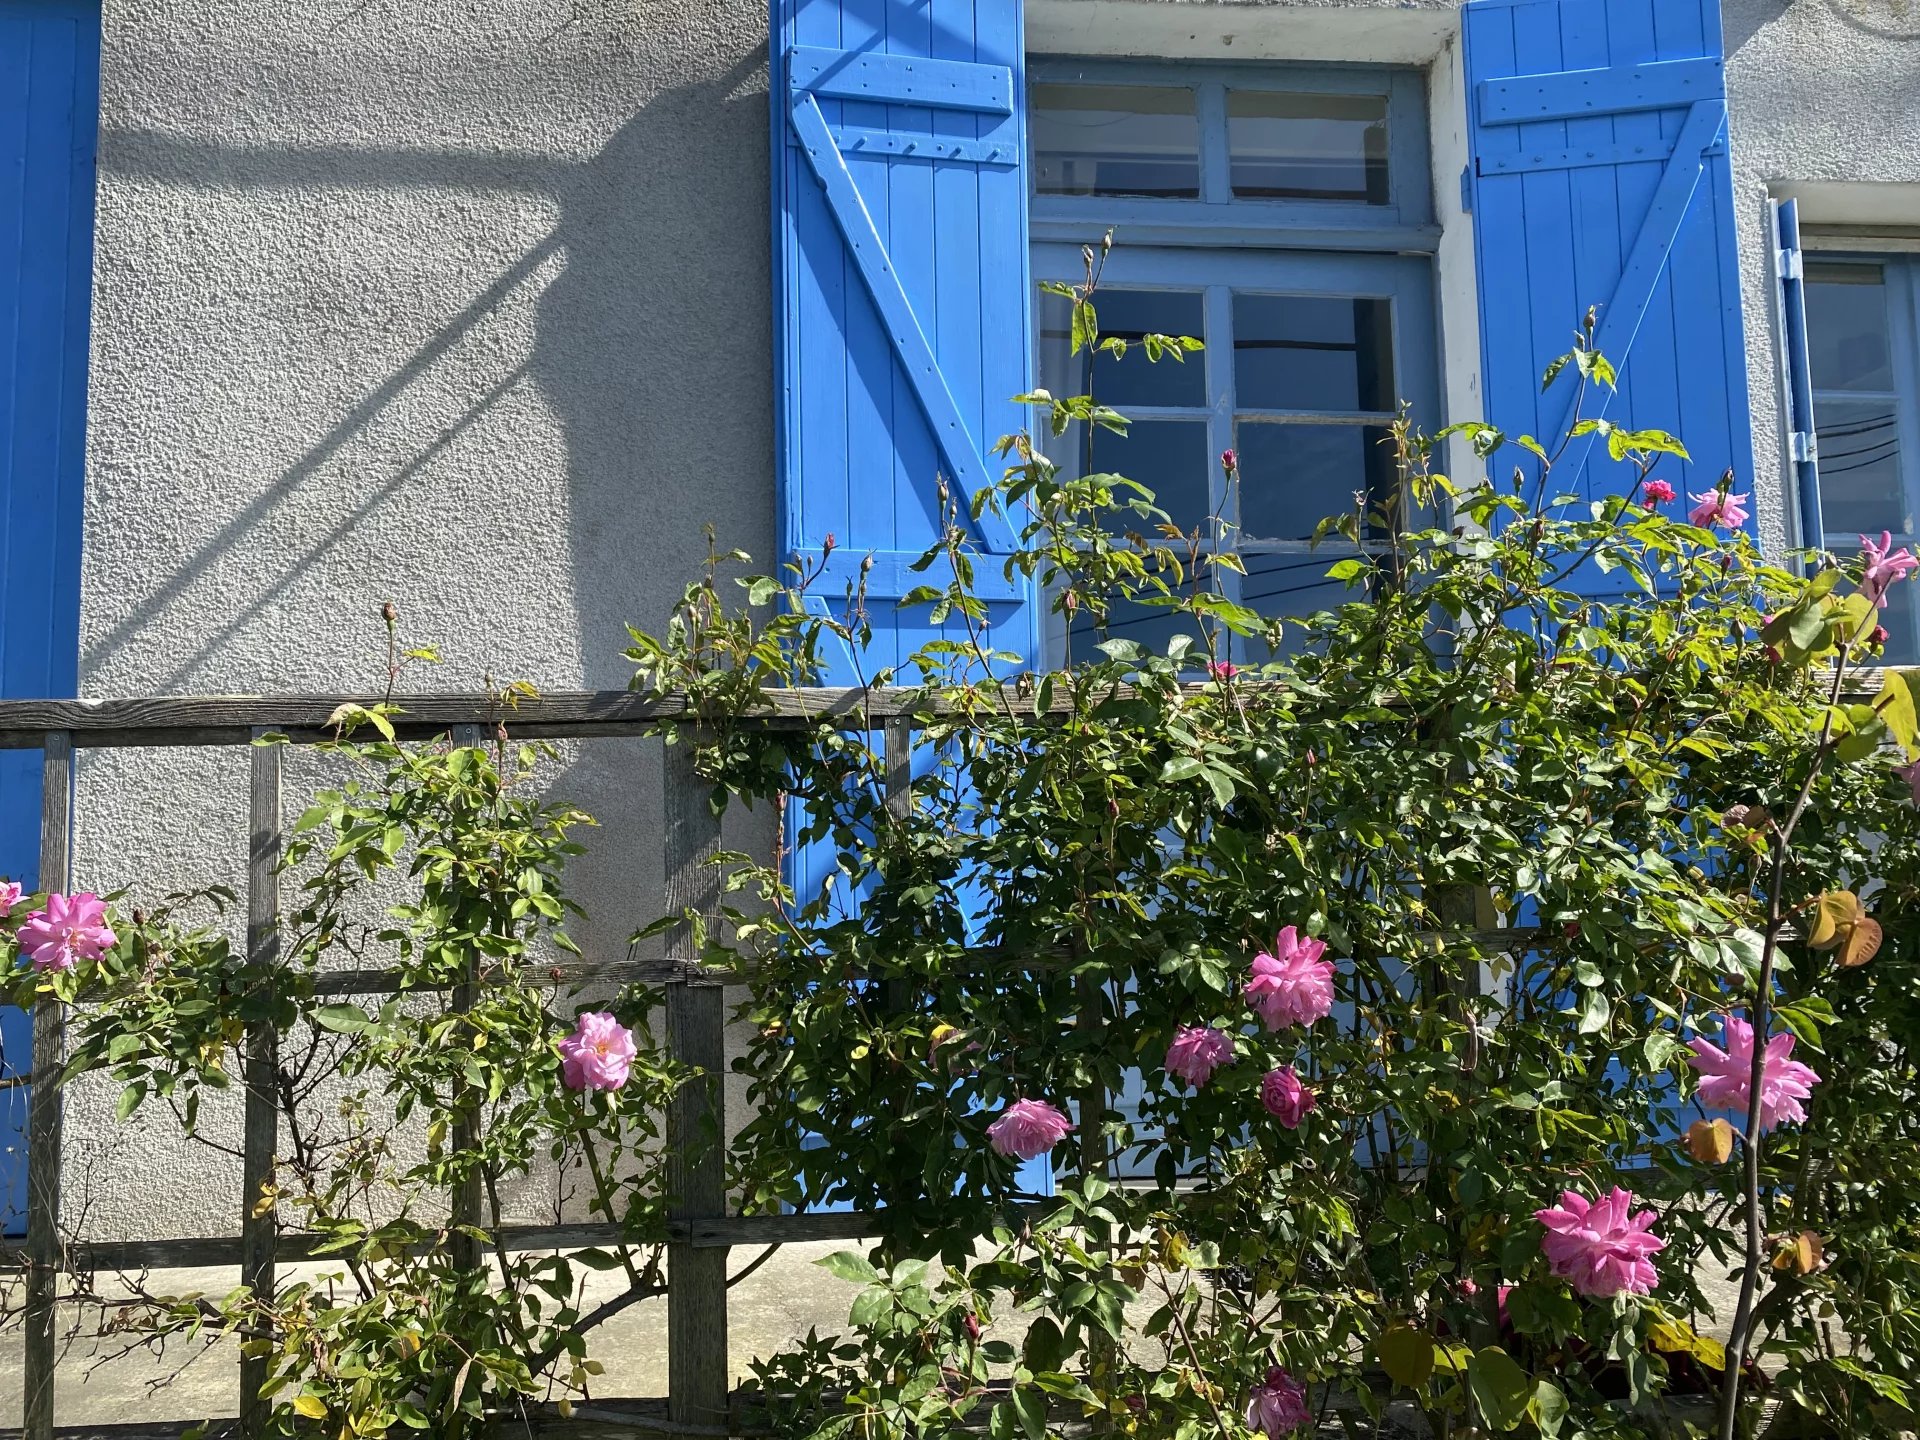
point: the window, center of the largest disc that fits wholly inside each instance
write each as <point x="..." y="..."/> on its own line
<point x="1864" y="362"/>
<point x="1282" y="216"/>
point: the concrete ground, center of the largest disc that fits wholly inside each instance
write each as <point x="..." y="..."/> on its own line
<point x="101" y="1381"/>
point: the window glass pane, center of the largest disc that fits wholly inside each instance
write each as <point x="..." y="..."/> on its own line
<point x="1860" y="487"/>
<point x="1115" y="140"/>
<point x="1308" y="147"/>
<point x="1293" y="584"/>
<point x="1305" y="352"/>
<point x="1149" y="626"/>
<point x="1847" y="319"/>
<point x="1294" y="476"/>
<point x="1131" y="379"/>
<point x="1169" y="457"/>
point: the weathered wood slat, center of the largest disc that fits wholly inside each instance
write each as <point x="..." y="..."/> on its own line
<point x="560" y="714"/>
<point x="262" y="1073"/>
<point x="720" y="1233"/>
<point x="463" y="1244"/>
<point x="44" y="1106"/>
<point x="987" y="959"/>
<point x="698" y="1374"/>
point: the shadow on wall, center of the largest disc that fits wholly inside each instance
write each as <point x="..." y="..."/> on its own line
<point x="650" y="345"/>
<point x="653" y="380"/>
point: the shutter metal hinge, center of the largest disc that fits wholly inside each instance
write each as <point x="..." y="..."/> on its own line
<point x="1466" y="189"/>
<point x="1786" y="265"/>
<point x="1805" y="447"/>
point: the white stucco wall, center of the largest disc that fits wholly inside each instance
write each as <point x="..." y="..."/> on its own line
<point x="1824" y="97"/>
<point x="463" y="305"/>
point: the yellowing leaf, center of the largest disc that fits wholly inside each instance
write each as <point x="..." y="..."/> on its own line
<point x="311" y="1406"/>
<point x="1862" y="943"/>
<point x="1710" y="1141"/>
<point x="1835" y="915"/>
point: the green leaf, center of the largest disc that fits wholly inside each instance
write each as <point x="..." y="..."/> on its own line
<point x="1595" y="1011"/>
<point x="849" y="1265"/>
<point x="1500" y="1387"/>
<point x="343" y="1019"/>
<point x="869" y="1306"/>
<point x="129" y="1101"/>
<point x="1406" y="1355"/>
<point x="1548" y="1408"/>
<point x="1030" y="1405"/>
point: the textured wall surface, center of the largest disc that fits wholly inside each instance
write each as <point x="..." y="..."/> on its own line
<point x="458" y="303"/>
<point x="1820" y="91"/>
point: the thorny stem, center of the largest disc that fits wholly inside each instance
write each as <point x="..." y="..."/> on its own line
<point x="1737" y="1336"/>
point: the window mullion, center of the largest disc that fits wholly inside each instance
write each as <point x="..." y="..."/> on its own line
<point x="1216" y="173"/>
<point x="1903" y="336"/>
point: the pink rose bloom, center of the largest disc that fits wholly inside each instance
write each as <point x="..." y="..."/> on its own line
<point x="1286" y="1099"/>
<point x="1726" y="1076"/>
<point x="1222" y="669"/>
<point x="1878" y="635"/>
<point x="1278" y="1407"/>
<point x="1657" y="492"/>
<point x="1597" y="1247"/>
<point x="1719" y="507"/>
<point x="1196" y="1052"/>
<point x="1910" y="774"/>
<point x="1293" y="985"/>
<point x="1884" y="566"/>
<point x="9" y="897"/>
<point x="598" y="1054"/>
<point x="1027" y="1128"/>
<point x="72" y="928"/>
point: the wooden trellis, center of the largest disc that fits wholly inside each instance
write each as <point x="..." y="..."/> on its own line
<point x="700" y="1229"/>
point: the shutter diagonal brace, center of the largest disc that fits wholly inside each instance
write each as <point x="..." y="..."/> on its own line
<point x="966" y="468"/>
<point x="1620" y="320"/>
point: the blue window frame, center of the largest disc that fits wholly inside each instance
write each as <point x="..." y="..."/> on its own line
<point x="1282" y="215"/>
<point x="1863" y="357"/>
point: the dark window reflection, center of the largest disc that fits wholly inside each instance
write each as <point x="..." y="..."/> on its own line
<point x="1115" y="140"/>
<point x="1307" y="352"/>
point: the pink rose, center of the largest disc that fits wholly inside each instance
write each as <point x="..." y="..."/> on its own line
<point x="1719" y="507"/>
<point x="1293" y="985"/>
<point x="1286" y="1099"/>
<point x="1885" y="565"/>
<point x="1726" y="1076"/>
<point x="1222" y="669"/>
<point x="1027" y="1128"/>
<point x="9" y="897"/>
<point x="1657" y="492"/>
<point x="1196" y="1052"/>
<point x="598" y="1055"/>
<point x="1278" y="1407"/>
<point x="1597" y="1247"/>
<point x="72" y="928"/>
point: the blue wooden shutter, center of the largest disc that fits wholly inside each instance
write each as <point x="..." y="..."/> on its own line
<point x="1600" y="177"/>
<point x="1803" y="451"/>
<point x="902" y="295"/>
<point x="902" y="309"/>
<point x="49" y="119"/>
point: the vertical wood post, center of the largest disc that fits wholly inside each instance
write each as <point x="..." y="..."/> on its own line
<point x="466" y="1199"/>
<point x="898" y="738"/>
<point x="699" y="1372"/>
<point x="44" y="1109"/>
<point x="258" y="1226"/>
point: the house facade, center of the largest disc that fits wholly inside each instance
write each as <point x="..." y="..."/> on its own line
<point x="491" y="310"/>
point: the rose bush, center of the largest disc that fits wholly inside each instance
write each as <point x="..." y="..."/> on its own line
<point x="1423" y="1001"/>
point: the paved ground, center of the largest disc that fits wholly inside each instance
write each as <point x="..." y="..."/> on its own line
<point x="774" y="1306"/>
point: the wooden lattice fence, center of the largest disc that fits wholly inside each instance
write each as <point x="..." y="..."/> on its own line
<point x="700" y="1228"/>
